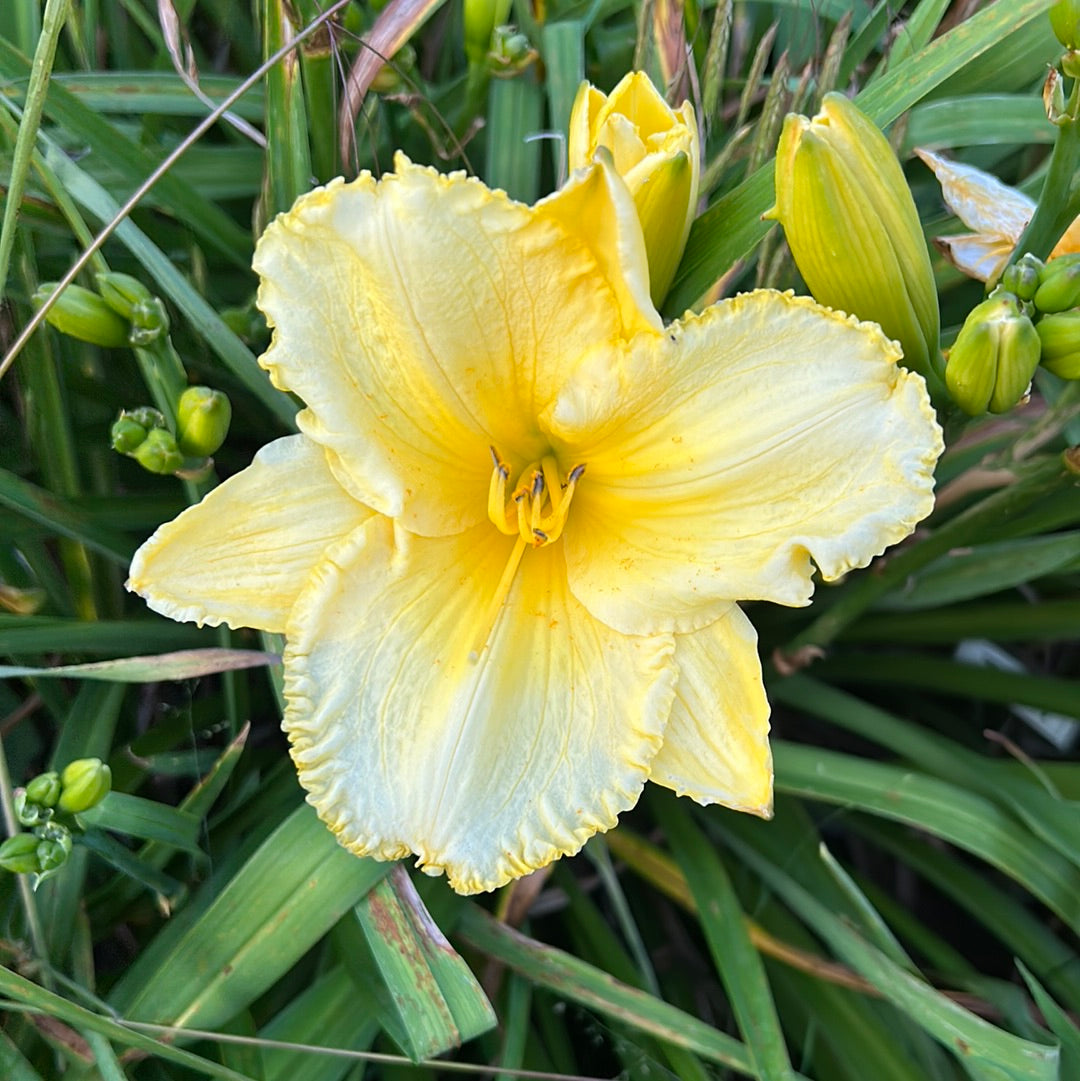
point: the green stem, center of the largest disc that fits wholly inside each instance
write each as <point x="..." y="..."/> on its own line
<point x="1032" y="481"/>
<point x="29" y="903"/>
<point x="56" y="13"/>
<point x="1059" y="202"/>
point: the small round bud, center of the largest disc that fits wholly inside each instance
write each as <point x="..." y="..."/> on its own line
<point x="202" y="421"/>
<point x="1059" y="285"/>
<point x="19" y="854"/>
<point x="83" y="315"/>
<point x="84" y="783"/>
<point x="1024" y="276"/>
<point x="1060" y="338"/>
<point x="54" y="847"/>
<point x="126" y="434"/>
<point x="158" y="453"/>
<point x="44" y="789"/>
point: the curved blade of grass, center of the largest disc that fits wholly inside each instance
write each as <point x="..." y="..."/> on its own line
<point x="987" y="1052"/>
<point x="49" y="634"/>
<point x="1002" y="622"/>
<point x="952" y="813"/>
<point x="1060" y="1024"/>
<point x="977" y="120"/>
<point x="158" y="93"/>
<point x="213" y="226"/>
<point x="186" y="664"/>
<point x="724" y="925"/>
<point x="569" y="977"/>
<point x="39" y="1000"/>
<point x="56" y="14"/>
<point x="145" y="819"/>
<point x="292" y="890"/>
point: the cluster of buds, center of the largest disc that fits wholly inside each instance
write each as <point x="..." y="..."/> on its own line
<point x="48" y="807"/>
<point x="122" y="313"/>
<point x="202" y="422"/>
<point x="1031" y="318"/>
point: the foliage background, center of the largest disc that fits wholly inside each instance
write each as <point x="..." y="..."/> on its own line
<point x="911" y="913"/>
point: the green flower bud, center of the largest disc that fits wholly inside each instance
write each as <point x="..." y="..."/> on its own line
<point x="19" y="854"/>
<point x="1024" y="276"/>
<point x="27" y="812"/>
<point x="83" y="315"/>
<point x="54" y="847"/>
<point x="126" y="434"/>
<point x="129" y="298"/>
<point x="1060" y="338"/>
<point x="511" y="52"/>
<point x="44" y="789"/>
<point x="202" y="421"/>
<point x="1065" y="22"/>
<point x="1059" y="285"/>
<point x="84" y="783"/>
<point x="993" y="358"/>
<point x="158" y="453"/>
<point x="853" y="228"/>
<point x="481" y="18"/>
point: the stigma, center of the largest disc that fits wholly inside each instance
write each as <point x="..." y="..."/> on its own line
<point x="536" y="510"/>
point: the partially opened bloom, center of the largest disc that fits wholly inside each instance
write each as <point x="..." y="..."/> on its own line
<point x="657" y="152"/>
<point x="996" y="212"/>
<point x="506" y="548"/>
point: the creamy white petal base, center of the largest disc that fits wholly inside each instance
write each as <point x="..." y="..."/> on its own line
<point x="488" y="744"/>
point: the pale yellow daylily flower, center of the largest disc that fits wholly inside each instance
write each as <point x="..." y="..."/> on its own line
<point x="506" y="549"/>
<point x="657" y="152"/>
<point x="996" y="212"/>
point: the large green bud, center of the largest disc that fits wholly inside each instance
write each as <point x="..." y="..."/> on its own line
<point x="19" y="854"/>
<point x="853" y="228"/>
<point x="83" y="315"/>
<point x="993" y="358"/>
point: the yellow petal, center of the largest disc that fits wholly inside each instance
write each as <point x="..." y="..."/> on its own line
<point x="723" y="457"/>
<point x="241" y="556"/>
<point x="422" y="319"/>
<point x="635" y="97"/>
<point x="579" y="146"/>
<point x="979" y="200"/>
<point x="1069" y="243"/>
<point x="716" y="746"/>
<point x="596" y="207"/>
<point x="486" y="767"/>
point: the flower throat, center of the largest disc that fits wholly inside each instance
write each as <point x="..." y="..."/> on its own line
<point x="535" y="511"/>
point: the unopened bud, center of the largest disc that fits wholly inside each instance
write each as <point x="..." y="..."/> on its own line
<point x="1059" y="285"/>
<point x="202" y="421"/>
<point x="158" y="453"/>
<point x="1024" y="276"/>
<point x="83" y="315"/>
<point x="130" y="429"/>
<point x="54" y="847"/>
<point x="27" y="812"/>
<point x="1060" y="338"/>
<point x="993" y="358"/>
<point x="480" y="19"/>
<point x="18" y="854"/>
<point x="129" y="298"/>
<point x="44" y="789"/>
<point x="852" y="226"/>
<point x="84" y="784"/>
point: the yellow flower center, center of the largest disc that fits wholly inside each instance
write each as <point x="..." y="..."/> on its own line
<point x="538" y="507"/>
<point x="535" y="511"/>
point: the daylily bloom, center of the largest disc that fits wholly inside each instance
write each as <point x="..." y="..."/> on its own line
<point x="505" y="550"/>
<point x="996" y="212"/>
